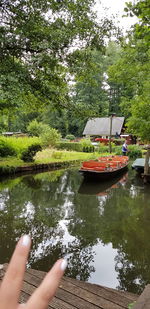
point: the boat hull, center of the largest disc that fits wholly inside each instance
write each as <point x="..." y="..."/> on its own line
<point x="138" y="165"/>
<point x="101" y="187"/>
<point x="103" y="175"/>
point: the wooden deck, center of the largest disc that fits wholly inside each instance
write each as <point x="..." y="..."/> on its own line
<point x="75" y="294"/>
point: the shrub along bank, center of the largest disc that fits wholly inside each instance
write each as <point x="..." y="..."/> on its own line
<point x="15" y="151"/>
<point x="13" y="146"/>
<point x="85" y="145"/>
<point x="46" y="159"/>
<point x="135" y="151"/>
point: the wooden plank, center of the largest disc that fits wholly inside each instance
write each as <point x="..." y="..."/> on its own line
<point x="93" y="287"/>
<point x="75" y="294"/>
<point x="118" y="297"/>
<point x="86" y="294"/>
<point x="64" y="295"/>
<point x="29" y="288"/>
<point x="89" y="297"/>
<point x="143" y="301"/>
<point x="55" y="304"/>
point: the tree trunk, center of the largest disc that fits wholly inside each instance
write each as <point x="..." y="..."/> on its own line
<point x="146" y="167"/>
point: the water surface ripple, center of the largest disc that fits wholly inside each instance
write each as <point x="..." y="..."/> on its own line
<point x="103" y="228"/>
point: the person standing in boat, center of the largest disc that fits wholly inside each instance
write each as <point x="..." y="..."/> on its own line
<point x="124" y="148"/>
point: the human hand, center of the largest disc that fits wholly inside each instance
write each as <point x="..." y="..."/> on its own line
<point x="12" y="282"/>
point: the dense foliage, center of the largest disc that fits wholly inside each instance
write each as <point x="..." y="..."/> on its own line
<point x="131" y="73"/>
<point x="28" y="154"/>
<point x="13" y="146"/>
<point x="69" y="146"/>
<point x="35" y="128"/>
<point x="37" y="50"/>
<point x="58" y="70"/>
<point x="6" y="149"/>
<point x="50" y="137"/>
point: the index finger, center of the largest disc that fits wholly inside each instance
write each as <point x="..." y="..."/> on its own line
<point x="45" y="292"/>
<point x="12" y="282"/>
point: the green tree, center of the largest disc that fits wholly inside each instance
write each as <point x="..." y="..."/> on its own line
<point x="89" y="93"/>
<point x="113" y="53"/>
<point x="50" y="137"/>
<point x="35" y="128"/>
<point x="35" y="45"/>
<point x="141" y="9"/>
<point x="131" y="73"/>
<point x="93" y="90"/>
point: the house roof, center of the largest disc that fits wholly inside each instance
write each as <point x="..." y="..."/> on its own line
<point x="101" y="126"/>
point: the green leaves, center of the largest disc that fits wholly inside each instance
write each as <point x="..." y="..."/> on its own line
<point x="132" y="72"/>
<point x="37" y="41"/>
<point x="141" y="9"/>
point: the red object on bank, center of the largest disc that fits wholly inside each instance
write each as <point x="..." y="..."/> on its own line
<point x="102" y="140"/>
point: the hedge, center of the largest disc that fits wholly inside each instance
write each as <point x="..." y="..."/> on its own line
<point x="70" y="146"/>
<point x="6" y="149"/>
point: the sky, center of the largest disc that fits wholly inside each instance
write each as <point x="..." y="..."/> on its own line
<point x="115" y="7"/>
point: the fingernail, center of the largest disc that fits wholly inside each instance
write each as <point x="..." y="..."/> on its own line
<point x="25" y="240"/>
<point x="63" y="265"/>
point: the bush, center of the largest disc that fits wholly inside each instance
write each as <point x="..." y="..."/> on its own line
<point x="102" y="149"/>
<point x="71" y="137"/>
<point x="85" y="142"/>
<point x="28" y="154"/>
<point x="86" y="145"/>
<point x="134" y="151"/>
<point x="50" y="137"/>
<point x="117" y="150"/>
<point x="118" y="141"/>
<point x="35" y="128"/>
<point x="5" y="148"/>
<point x="88" y="148"/>
<point x="70" y="146"/>
<point x="18" y="145"/>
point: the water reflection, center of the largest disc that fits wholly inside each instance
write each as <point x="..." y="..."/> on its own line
<point x="102" y="188"/>
<point x="103" y="229"/>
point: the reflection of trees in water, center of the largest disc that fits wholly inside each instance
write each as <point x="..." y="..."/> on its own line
<point x="78" y="257"/>
<point x="84" y="219"/>
<point x="79" y="260"/>
<point x="125" y="223"/>
<point x="36" y="206"/>
<point x="131" y="276"/>
<point x="28" y="209"/>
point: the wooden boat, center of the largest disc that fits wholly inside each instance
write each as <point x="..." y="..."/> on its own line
<point x="104" y="167"/>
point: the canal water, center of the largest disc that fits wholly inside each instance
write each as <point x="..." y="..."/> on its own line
<point x="103" y="229"/>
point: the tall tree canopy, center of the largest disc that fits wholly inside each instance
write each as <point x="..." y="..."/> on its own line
<point x="37" y="43"/>
<point x="91" y="90"/>
<point x="140" y="8"/>
<point x="132" y="72"/>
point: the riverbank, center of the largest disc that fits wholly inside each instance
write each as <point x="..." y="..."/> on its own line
<point x="44" y="160"/>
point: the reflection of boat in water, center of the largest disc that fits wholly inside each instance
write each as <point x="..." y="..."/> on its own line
<point x="102" y="188"/>
<point x="104" y="168"/>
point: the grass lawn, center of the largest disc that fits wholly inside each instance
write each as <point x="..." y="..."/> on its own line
<point x="12" y="161"/>
<point x="50" y="155"/>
